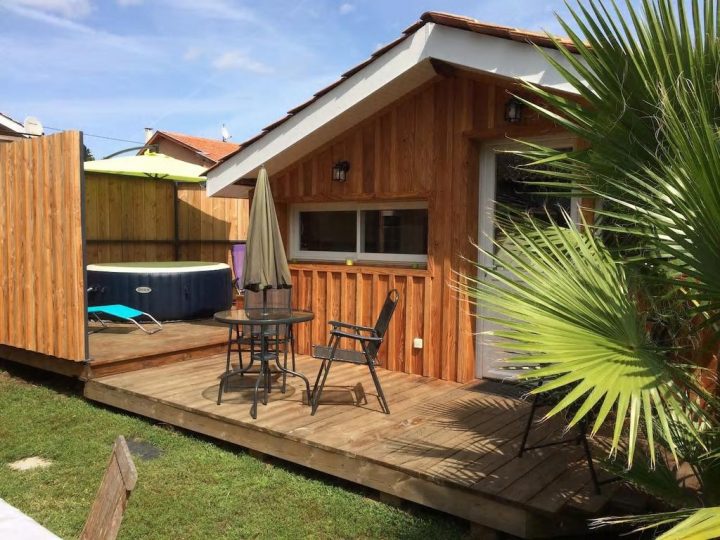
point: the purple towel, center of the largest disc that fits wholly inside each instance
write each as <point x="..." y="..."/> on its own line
<point x="238" y="257"/>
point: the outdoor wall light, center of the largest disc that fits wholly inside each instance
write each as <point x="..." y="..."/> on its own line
<point x="513" y="110"/>
<point x="340" y="171"/>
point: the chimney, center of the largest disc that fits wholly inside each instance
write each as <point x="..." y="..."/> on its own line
<point x="148" y="134"/>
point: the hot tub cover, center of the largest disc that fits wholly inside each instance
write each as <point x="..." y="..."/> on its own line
<point x="167" y="290"/>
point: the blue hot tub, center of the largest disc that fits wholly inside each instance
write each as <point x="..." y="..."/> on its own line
<point x="169" y="291"/>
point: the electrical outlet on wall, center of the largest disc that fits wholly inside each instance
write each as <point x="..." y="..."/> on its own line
<point x="417" y="343"/>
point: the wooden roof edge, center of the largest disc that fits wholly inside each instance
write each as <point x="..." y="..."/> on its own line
<point x="437" y="17"/>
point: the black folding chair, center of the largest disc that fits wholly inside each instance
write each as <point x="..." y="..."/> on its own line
<point x="370" y="340"/>
<point x="552" y="398"/>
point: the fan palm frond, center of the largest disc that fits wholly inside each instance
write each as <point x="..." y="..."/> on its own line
<point x="702" y="524"/>
<point x="564" y="307"/>
<point x="679" y="199"/>
<point x="624" y="66"/>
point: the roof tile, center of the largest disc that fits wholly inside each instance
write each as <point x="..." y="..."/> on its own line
<point x="211" y="148"/>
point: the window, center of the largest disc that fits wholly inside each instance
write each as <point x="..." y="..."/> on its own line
<point x="328" y="231"/>
<point x="394" y="231"/>
<point x="369" y="232"/>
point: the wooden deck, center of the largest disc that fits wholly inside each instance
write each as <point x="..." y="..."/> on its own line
<point x="123" y="347"/>
<point x="448" y="446"/>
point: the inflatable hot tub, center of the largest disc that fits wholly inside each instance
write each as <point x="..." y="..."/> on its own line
<point x="169" y="291"/>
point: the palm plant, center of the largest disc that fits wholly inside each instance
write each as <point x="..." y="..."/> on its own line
<point x="623" y="313"/>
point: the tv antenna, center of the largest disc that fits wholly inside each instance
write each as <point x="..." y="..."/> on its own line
<point x="225" y="133"/>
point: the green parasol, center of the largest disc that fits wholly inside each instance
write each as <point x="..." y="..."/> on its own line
<point x="149" y="165"/>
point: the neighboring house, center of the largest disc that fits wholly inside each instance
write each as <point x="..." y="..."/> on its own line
<point x="191" y="149"/>
<point x="417" y="128"/>
<point x="11" y="130"/>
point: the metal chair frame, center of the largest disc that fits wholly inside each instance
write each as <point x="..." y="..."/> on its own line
<point x="281" y="334"/>
<point x="266" y="336"/>
<point x="540" y="400"/>
<point x="104" y="325"/>
<point x="370" y="340"/>
<point x="236" y="343"/>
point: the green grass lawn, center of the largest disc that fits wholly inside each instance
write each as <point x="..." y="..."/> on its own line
<point x="196" y="488"/>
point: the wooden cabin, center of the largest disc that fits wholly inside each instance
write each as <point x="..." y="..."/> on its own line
<point x="393" y="169"/>
<point x="386" y="178"/>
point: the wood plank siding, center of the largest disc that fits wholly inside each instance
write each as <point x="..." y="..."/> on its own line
<point x="423" y="147"/>
<point x="42" y="267"/>
<point x="133" y="219"/>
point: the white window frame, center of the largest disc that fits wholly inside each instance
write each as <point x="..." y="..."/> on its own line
<point x="305" y="255"/>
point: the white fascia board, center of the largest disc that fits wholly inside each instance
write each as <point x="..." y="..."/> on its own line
<point x="12" y="125"/>
<point x="350" y="92"/>
<point x="385" y="79"/>
<point x="498" y="56"/>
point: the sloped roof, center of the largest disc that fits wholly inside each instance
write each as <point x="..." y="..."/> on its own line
<point x="11" y="124"/>
<point x="444" y="19"/>
<point x="540" y="39"/>
<point x="212" y="149"/>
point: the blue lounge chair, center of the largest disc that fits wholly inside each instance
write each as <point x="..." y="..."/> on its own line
<point x="122" y="312"/>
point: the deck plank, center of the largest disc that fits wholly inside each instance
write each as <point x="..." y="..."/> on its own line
<point x="125" y="341"/>
<point x="442" y="441"/>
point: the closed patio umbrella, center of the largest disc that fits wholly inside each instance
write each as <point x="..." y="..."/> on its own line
<point x="266" y="265"/>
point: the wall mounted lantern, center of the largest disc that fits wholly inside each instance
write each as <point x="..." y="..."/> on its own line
<point x="340" y="171"/>
<point x="513" y="110"/>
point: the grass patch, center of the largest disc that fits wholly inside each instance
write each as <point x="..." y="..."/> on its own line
<point x="196" y="488"/>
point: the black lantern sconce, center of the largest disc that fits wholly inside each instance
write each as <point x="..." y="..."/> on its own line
<point x="340" y="171"/>
<point x="514" y="110"/>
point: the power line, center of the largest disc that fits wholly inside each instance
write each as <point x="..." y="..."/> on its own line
<point x="98" y="136"/>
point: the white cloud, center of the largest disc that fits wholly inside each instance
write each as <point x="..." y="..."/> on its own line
<point x="100" y="36"/>
<point x="214" y="9"/>
<point x="346" y="8"/>
<point x="71" y="9"/>
<point x="192" y="53"/>
<point x="239" y="60"/>
<point x="126" y="3"/>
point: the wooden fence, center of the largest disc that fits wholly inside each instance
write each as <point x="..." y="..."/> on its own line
<point x="42" y="267"/>
<point x="133" y="219"/>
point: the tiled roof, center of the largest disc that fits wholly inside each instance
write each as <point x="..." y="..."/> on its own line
<point x="540" y="39"/>
<point x="445" y="19"/>
<point x="210" y="148"/>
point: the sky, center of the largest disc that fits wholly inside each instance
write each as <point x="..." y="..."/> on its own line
<point x="113" y="67"/>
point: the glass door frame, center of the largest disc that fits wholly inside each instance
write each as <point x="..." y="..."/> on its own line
<point x="484" y="359"/>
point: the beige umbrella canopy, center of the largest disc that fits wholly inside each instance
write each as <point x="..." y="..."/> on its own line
<point x="266" y="265"/>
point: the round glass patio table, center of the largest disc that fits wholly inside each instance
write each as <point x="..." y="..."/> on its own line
<point x="264" y="331"/>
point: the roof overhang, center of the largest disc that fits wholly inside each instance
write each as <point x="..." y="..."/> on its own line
<point x="12" y="125"/>
<point x="402" y="68"/>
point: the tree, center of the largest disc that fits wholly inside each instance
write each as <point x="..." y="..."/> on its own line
<point x="622" y="313"/>
<point x="87" y="154"/>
